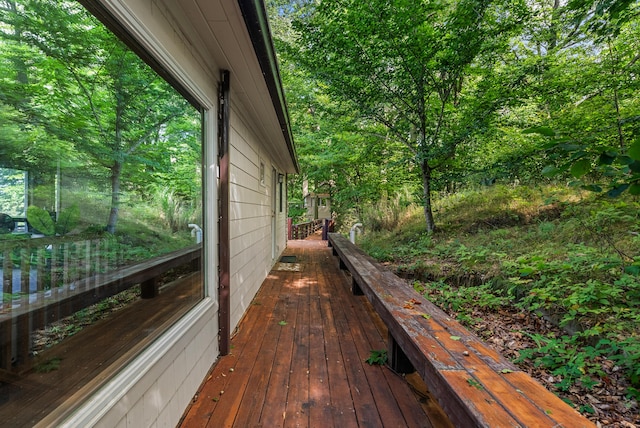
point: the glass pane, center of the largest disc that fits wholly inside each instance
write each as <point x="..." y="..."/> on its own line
<point x="100" y="205"/>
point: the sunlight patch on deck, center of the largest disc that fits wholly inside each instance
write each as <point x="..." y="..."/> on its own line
<point x="290" y="267"/>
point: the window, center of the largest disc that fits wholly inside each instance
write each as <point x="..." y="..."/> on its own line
<point x="100" y="170"/>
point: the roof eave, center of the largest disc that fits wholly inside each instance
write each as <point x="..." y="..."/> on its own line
<point x="255" y="18"/>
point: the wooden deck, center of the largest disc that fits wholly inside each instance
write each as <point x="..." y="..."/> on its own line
<point x="298" y="358"/>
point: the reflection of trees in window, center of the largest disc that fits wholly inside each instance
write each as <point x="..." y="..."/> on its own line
<point x="72" y="91"/>
<point x="92" y="141"/>
<point x="12" y="192"/>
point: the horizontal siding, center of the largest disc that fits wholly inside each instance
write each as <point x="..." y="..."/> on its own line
<point x="250" y="217"/>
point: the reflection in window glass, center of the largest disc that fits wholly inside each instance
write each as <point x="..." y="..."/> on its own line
<point x="100" y="176"/>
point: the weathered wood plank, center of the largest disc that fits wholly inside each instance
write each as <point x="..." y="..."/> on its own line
<point x="298" y="403"/>
<point x="343" y="410"/>
<point x="320" y="412"/>
<point x="274" y="413"/>
<point x="242" y="359"/>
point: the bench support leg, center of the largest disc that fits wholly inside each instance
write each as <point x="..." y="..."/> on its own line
<point x="398" y="360"/>
<point x="355" y="288"/>
<point x="342" y="265"/>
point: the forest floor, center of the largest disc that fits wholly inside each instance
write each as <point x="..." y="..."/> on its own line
<point x="509" y="330"/>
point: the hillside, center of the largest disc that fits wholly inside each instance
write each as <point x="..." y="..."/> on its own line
<point x="548" y="276"/>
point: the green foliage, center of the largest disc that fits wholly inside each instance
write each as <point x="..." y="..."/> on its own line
<point x="387" y="213"/>
<point x="571" y="257"/>
<point x="461" y="300"/>
<point x="40" y="220"/>
<point x="431" y="90"/>
<point x="49" y="365"/>
<point x="176" y="211"/>
<point x="68" y="220"/>
<point x="596" y="168"/>
<point x="124" y="128"/>
<point x="569" y="358"/>
<point x="377" y="357"/>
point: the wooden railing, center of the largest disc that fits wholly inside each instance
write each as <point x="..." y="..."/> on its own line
<point x="303" y="230"/>
<point x="47" y="279"/>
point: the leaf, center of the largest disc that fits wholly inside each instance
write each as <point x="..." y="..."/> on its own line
<point x="526" y="271"/>
<point x="550" y="170"/>
<point x="592" y="188"/>
<point x="426" y="316"/>
<point x="455" y="337"/>
<point x="624" y="160"/>
<point x="634" y="166"/>
<point x="618" y="190"/>
<point x="634" y="189"/>
<point x="580" y="168"/>
<point x="475" y="383"/>
<point x="606" y="158"/>
<point x="40" y="220"/>
<point x="505" y="371"/>
<point x="540" y="130"/>
<point x="634" y="150"/>
<point x="378" y="357"/>
<point x="283" y="322"/>
<point x="68" y="220"/>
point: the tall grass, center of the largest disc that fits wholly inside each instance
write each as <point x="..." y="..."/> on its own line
<point x="175" y="211"/>
<point x="388" y="212"/>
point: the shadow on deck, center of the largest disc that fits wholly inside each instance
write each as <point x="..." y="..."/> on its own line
<point x="298" y="358"/>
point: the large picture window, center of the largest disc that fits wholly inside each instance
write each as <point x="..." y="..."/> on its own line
<point x="100" y="205"/>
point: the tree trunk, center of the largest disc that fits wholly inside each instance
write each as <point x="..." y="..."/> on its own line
<point x="116" y="171"/>
<point x="426" y="185"/>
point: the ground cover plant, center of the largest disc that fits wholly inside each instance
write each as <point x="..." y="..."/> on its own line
<point x="549" y="276"/>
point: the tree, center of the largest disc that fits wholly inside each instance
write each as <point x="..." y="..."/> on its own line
<point x="92" y="92"/>
<point x="416" y="67"/>
<point x="583" y="90"/>
<point x="340" y="153"/>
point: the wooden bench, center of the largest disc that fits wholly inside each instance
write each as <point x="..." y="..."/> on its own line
<point x="473" y="383"/>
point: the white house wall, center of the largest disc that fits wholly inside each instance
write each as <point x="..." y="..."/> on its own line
<point x="250" y="216"/>
<point x="157" y="387"/>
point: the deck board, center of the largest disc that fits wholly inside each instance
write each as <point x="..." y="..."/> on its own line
<point x="298" y="359"/>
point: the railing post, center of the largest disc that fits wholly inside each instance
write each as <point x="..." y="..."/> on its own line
<point x="149" y="288"/>
<point x="6" y="330"/>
